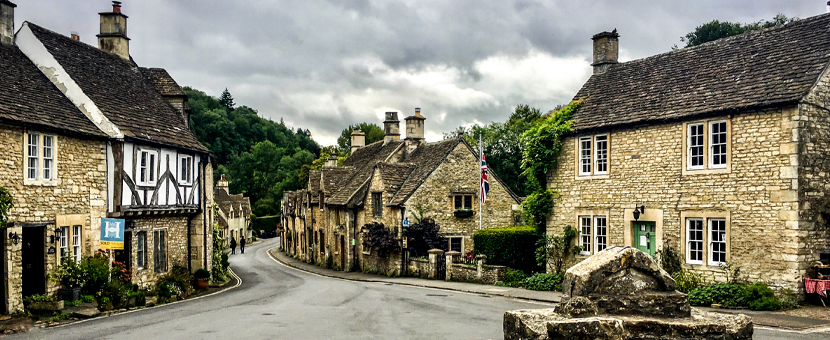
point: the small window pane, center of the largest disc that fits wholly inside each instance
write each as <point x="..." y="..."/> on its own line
<point x="717" y="133"/>
<point x="63" y="244"/>
<point x="152" y="165"/>
<point x="76" y="243"/>
<point x="458" y="203"/>
<point x="141" y="244"/>
<point x="601" y="143"/>
<point x="585" y="156"/>
<point x="694" y="240"/>
<point x="717" y="241"/>
<point x="602" y="232"/>
<point x="32" y="166"/>
<point x="48" y="157"/>
<point x="142" y="177"/>
<point x="468" y="202"/>
<point x="585" y="234"/>
<point x="455" y="244"/>
<point x="695" y="146"/>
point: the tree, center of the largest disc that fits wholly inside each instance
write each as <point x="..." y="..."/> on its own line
<point x="715" y="29"/>
<point x="226" y="100"/>
<point x="373" y="134"/>
<point x="6" y="205"/>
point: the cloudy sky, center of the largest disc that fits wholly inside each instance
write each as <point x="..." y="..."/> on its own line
<point x="322" y="65"/>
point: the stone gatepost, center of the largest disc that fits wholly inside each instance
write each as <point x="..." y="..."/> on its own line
<point x="433" y="262"/>
<point x="452" y="257"/>
<point x="481" y="260"/>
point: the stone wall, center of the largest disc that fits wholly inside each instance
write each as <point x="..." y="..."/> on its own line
<point x="79" y="191"/>
<point x="459" y="173"/>
<point x="177" y="255"/>
<point x="462" y="272"/>
<point x="756" y="194"/>
<point x="419" y="268"/>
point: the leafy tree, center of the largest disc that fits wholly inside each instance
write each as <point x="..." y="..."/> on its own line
<point x="6" y="205"/>
<point x="423" y="236"/>
<point x="226" y="100"/>
<point x="380" y="238"/>
<point x="373" y="134"/>
<point x="715" y="29"/>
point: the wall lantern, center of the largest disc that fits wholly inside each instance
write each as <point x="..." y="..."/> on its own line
<point x="58" y="232"/>
<point x="639" y="210"/>
<point x="14" y="237"/>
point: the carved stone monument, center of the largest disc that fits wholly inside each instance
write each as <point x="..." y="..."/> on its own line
<point x="621" y="293"/>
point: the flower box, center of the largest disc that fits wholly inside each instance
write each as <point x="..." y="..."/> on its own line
<point x="46" y="306"/>
<point x="464" y="213"/>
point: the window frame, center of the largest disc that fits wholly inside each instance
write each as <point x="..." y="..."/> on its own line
<point x="35" y="163"/>
<point x="460" y="242"/>
<point x="141" y="249"/>
<point x="77" y="232"/>
<point x="48" y="162"/>
<point x="63" y="243"/>
<point x="603" y="235"/>
<point x="377" y="204"/>
<point x="151" y="168"/>
<point x="702" y="241"/>
<point x="689" y="146"/>
<point x="585" y="238"/>
<point x="188" y="179"/>
<point x="596" y="159"/>
<point x="160" y="263"/>
<point x="581" y="153"/>
<point x="711" y="249"/>
<point x="710" y="136"/>
<point x="462" y="198"/>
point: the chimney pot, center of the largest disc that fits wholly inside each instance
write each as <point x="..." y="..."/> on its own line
<point x="223" y="184"/>
<point x="75" y="36"/>
<point x="116" y="6"/>
<point x="7" y="22"/>
<point x="606" y="50"/>
<point x="113" y="36"/>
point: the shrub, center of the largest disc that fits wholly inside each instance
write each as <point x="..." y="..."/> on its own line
<point x="115" y="291"/>
<point x="556" y="250"/>
<point x="40" y="298"/>
<point x="513" y="247"/>
<point x="670" y="260"/>
<point x="87" y="298"/>
<point x="202" y="274"/>
<point x="69" y="274"/>
<point x="423" y="236"/>
<point x="544" y="281"/>
<point x="687" y="281"/>
<point x="380" y="238"/>
<point x="760" y="297"/>
<point x="513" y="277"/>
<point x="789" y="300"/>
<point x="97" y="272"/>
<point x="726" y="294"/>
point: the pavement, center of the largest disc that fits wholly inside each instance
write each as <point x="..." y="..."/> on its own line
<point x="474" y="288"/>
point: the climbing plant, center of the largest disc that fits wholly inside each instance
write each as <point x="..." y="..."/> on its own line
<point x="5" y="206"/>
<point x="554" y="251"/>
<point x="541" y="147"/>
<point x="380" y="238"/>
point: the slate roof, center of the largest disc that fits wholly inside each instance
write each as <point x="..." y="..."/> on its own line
<point x="426" y="158"/>
<point x="363" y="160"/>
<point x="163" y="82"/>
<point x="27" y="97"/>
<point x="334" y="178"/>
<point x="770" y="67"/>
<point x="314" y="178"/>
<point x="120" y="90"/>
<point x="393" y="175"/>
<point x="225" y="201"/>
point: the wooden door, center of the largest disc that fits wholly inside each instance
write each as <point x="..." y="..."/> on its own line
<point x="645" y="236"/>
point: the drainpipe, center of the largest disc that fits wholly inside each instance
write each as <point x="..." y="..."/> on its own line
<point x="404" y="252"/>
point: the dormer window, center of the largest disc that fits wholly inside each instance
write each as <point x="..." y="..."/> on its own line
<point x="147" y="172"/>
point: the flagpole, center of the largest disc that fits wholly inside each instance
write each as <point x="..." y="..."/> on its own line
<point x="480" y="179"/>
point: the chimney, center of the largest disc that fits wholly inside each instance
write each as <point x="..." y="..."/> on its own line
<point x="332" y="161"/>
<point x="223" y="184"/>
<point x="75" y="36"/>
<point x="113" y="37"/>
<point x="828" y="7"/>
<point x="414" y="130"/>
<point x="391" y="128"/>
<point x="7" y="22"/>
<point x="358" y="140"/>
<point x="606" y="50"/>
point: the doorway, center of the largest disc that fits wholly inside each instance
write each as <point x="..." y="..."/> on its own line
<point x="645" y="236"/>
<point x="343" y="253"/>
<point x="123" y="255"/>
<point x="33" y="261"/>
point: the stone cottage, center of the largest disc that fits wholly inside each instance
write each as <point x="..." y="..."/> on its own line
<point x="719" y="150"/>
<point x="158" y="175"/>
<point x="391" y="181"/>
<point x="233" y="213"/>
<point x="53" y="163"/>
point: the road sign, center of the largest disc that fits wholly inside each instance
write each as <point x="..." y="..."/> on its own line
<point x="112" y="233"/>
<point x="406" y="223"/>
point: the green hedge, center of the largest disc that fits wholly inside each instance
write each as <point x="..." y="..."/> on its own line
<point x="514" y="247"/>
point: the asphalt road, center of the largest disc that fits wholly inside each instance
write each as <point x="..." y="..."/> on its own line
<point x="278" y="302"/>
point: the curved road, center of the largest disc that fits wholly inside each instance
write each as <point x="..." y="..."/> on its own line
<point x="275" y="301"/>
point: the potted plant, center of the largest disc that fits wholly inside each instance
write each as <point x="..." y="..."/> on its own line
<point x="464" y="213"/>
<point x="202" y="278"/>
<point x="72" y="277"/>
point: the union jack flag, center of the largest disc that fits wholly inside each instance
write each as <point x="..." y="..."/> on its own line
<point x="485" y="185"/>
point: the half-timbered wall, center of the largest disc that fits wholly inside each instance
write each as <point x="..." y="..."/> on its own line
<point x="163" y="183"/>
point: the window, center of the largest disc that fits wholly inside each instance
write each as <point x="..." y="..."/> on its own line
<point x="694" y="241"/>
<point x="48" y="157"/>
<point x="455" y="244"/>
<point x="717" y="241"/>
<point x="32" y="166"/>
<point x="585" y="156"/>
<point x="186" y="170"/>
<point x="64" y="248"/>
<point x="463" y="202"/>
<point x="76" y="243"/>
<point x="585" y="234"/>
<point x="706" y="146"/>
<point x="601" y="155"/>
<point x="601" y="233"/>
<point x="147" y="167"/>
<point x="141" y="251"/>
<point x="695" y="145"/>
<point x="717" y="144"/>
<point x="377" y="203"/>
<point x="160" y="250"/>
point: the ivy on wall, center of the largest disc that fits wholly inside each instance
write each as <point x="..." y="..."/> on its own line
<point x="541" y="147"/>
<point x="5" y="206"/>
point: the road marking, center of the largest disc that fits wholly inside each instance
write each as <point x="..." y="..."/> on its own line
<point x="804" y="331"/>
<point x="238" y="283"/>
<point x="402" y="284"/>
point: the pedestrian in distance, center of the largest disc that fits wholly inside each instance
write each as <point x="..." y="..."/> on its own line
<point x="242" y="245"/>
<point x="233" y="245"/>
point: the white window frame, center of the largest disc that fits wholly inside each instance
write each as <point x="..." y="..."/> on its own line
<point x="689" y="146"/>
<point x="722" y="239"/>
<point x="188" y="180"/>
<point x="585" y="158"/>
<point x="585" y="239"/>
<point x="33" y="145"/>
<point x="689" y="241"/>
<point x="48" y="157"/>
<point x="597" y="154"/>
<point x="77" y="231"/>
<point x="600" y="232"/>
<point x="64" y="245"/>
<point x="40" y="160"/>
<point x="151" y="168"/>
<point x="711" y="146"/>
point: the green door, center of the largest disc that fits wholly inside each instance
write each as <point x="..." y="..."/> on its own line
<point x="644" y="237"/>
